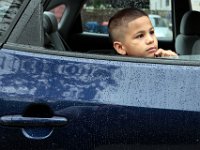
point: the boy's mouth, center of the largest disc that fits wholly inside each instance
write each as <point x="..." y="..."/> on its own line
<point x="152" y="49"/>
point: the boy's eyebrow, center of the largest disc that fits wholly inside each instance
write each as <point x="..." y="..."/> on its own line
<point x="142" y="31"/>
<point x="152" y="28"/>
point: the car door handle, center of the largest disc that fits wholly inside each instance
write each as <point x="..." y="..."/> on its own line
<point x="20" y="121"/>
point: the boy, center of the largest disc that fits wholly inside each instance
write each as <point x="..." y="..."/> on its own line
<point x="132" y="34"/>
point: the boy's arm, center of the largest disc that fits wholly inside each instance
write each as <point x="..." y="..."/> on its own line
<point x="164" y="53"/>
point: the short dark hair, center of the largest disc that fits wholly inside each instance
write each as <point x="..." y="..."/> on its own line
<point x="123" y="17"/>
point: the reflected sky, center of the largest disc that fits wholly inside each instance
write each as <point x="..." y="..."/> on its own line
<point x="54" y="79"/>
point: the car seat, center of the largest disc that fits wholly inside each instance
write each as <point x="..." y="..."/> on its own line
<point x="53" y="40"/>
<point x="196" y="48"/>
<point x="189" y="33"/>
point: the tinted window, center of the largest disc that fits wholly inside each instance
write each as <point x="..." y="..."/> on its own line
<point x="8" y="11"/>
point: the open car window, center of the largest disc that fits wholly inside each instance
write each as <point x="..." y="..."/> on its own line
<point x="95" y="15"/>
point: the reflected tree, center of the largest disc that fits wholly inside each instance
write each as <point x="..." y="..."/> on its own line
<point x="54" y="79"/>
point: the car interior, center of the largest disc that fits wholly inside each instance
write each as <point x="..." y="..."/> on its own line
<point x="70" y="36"/>
<point x="51" y="35"/>
<point x="189" y="33"/>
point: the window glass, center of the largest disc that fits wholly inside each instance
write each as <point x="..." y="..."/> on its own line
<point x="195" y="5"/>
<point x="58" y="11"/>
<point x="8" y="11"/>
<point x="96" y="13"/>
<point x="167" y="2"/>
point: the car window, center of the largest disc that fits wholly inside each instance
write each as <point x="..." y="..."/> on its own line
<point x="59" y="11"/>
<point x="8" y="11"/>
<point x="158" y="21"/>
<point x="195" y="5"/>
<point x="96" y="13"/>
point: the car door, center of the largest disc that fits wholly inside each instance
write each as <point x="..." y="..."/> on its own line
<point x="54" y="99"/>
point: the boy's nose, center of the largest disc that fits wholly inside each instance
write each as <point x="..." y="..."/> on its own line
<point x="149" y="39"/>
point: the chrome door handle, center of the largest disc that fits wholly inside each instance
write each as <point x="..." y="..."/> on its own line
<point x="20" y="121"/>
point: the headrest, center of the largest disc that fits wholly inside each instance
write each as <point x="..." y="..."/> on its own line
<point x="190" y="23"/>
<point x="50" y="23"/>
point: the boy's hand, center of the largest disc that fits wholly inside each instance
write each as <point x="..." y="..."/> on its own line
<point x="164" y="53"/>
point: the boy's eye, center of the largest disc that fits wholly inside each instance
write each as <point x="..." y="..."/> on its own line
<point x="152" y="32"/>
<point x="139" y="36"/>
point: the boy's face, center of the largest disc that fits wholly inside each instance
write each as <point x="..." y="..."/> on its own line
<point x="139" y="39"/>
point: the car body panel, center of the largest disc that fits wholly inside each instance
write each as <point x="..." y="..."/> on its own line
<point x="91" y="80"/>
<point x="82" y="90"/>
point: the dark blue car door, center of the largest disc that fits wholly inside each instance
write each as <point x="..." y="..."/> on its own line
<point x="81" y="103"/>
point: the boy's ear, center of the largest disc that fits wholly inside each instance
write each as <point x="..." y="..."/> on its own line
<point x="118" y="46"/>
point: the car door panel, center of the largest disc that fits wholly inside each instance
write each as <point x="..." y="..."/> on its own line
<point x="104" y="102"/>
